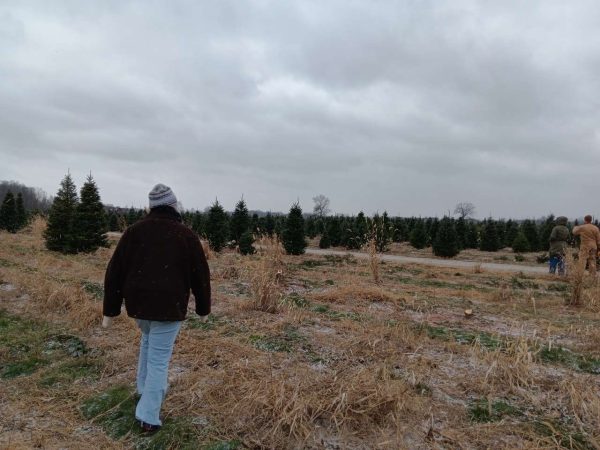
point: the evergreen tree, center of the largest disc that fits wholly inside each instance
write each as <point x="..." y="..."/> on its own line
<point x="461" y="233"/>
<point x="398" y="230"/>
<point x="418" y="236"/>
<point x="347" y="232"/>
<point x="432" y="228"/>
<point x="255" y="224"/>
<point x="8" y="214"/>
<point x="240" y="221"/>
<point x="59" y="232"/>
<point x="512" y="230"/>
<point x="324" y="242"/>
<point x="89" y="226"/>
<point x="113" y="221"/>
<point x="362" y="227"/>
<point x="246" y="243"/>
<point x="489" y="237"/>
<point x="217" y="227"/>
<point x="21" y="215"/>
<point x="198" y="223"/>
<point x="530" y="230"/>
<point x="293" y="233"/>
<point x="380" y="226"/>
<point x="334" y="231"/>
<point x="545" y="232"/>
<point x="501" y="230"/>
<point x="472" y="238"/>
<point x="131" y="216"/>
<point x="269" y="224"/>
<point x="445" y="242"/>
<point x="311" y="227"/>
<point x="520" y="244"/>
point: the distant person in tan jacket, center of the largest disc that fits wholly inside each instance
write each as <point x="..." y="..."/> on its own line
<point x="590" y="241"/>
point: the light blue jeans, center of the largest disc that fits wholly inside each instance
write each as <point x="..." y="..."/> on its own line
<point x="156" y="348"/>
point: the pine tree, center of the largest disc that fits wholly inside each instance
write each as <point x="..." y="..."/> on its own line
<point x="445" y="242"/>
<point x="59" y="232"/>
<point x="512" y="230"/>
<point x="245" y="244"/>
<point x="217" y="227"/>
<point x="530" y="230"/>
<point x="293" y="232"/>
<point x="113" y="221"/>
<point x="240" y="221"/>
<point x="520" y="244"/>
<point x="269" y="224"/>
<point x="418" y="235"/>
<point x="324" y="242"/>
<point x="380" y="225"/>
<point x="362" y="227"/>
<point x="89" y="227"/>
<point x="545" y="232"/>
<point x="489" y="237"/>
<point x="198" y="223"/>
<point x="472" y="238"/>
<point x="334" y="231"/>
<point x="8" y="213"/>
<point x="21" y="215"/>
<point x="461" y="233"/>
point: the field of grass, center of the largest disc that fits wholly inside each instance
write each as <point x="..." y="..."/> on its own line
<point x="342" y="362"/>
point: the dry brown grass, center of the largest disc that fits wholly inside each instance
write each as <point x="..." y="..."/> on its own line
<point x="369" y="371"/>
<point x="265" y="279"/>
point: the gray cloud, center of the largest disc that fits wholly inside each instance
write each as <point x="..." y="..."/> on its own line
<point x="408" y="106"/>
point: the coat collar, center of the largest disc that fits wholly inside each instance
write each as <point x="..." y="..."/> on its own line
<point x="164" y="212"/>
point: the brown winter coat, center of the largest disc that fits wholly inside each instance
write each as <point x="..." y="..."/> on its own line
<point x="559" y="237"/>
<point x="590" y="236"/>
<point x="155" y="265"/>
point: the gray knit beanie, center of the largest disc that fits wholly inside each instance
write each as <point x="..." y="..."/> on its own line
<point x="162" y="195"/>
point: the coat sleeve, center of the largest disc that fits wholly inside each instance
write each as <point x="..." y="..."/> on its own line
<point x="200" y="278"/>
<point x="113" y="280"/>
<point x="554" y="234"/>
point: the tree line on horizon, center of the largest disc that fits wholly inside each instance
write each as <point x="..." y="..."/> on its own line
<point x="78" y="223"/>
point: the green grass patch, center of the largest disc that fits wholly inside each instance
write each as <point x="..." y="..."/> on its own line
<point x="287" y="341"/>
<point x="176" y="433"/>
<point x="95" y="289"/>
<point x="69" y="371"/>
<point x="113" y="410"/>
<point x="336" y="315"/>
<point x="223" y="445"/>
<point x="295" y="300"/>
<point x="69" y="344"/>
<point x="565" y="357"/>
<point x="562" y="434"/>
<point x="461" y="336"/>
<point x="212" y="321"/>
<point x="485" y="411"/>
<point x="25" y="366"/>
<point x="519" y="283"/>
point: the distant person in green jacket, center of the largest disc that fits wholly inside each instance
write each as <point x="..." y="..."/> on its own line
<point x="558" y="245"/>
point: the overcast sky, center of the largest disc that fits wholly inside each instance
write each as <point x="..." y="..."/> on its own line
<point x="404" y="106"/>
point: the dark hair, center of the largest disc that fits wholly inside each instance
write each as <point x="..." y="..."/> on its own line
<point x="588" y="218"/>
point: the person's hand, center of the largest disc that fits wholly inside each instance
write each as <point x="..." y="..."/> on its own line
<point x="106" y="321"/>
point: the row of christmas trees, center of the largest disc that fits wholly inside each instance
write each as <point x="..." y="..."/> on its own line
<point x="79" y="223"/>
<point x="12" y="213"/>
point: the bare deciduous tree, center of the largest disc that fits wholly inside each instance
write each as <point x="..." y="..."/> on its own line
<point x="321" y="207"/>
<point x="465" y="209"/>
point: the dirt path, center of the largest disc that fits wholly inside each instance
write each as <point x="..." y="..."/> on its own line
<point x="494" y="267"/>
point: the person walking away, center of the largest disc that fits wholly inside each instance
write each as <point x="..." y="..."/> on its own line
<point x="558" y="245"/>
<point x="590" y="240"/>
<point x="155" y="265"/>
